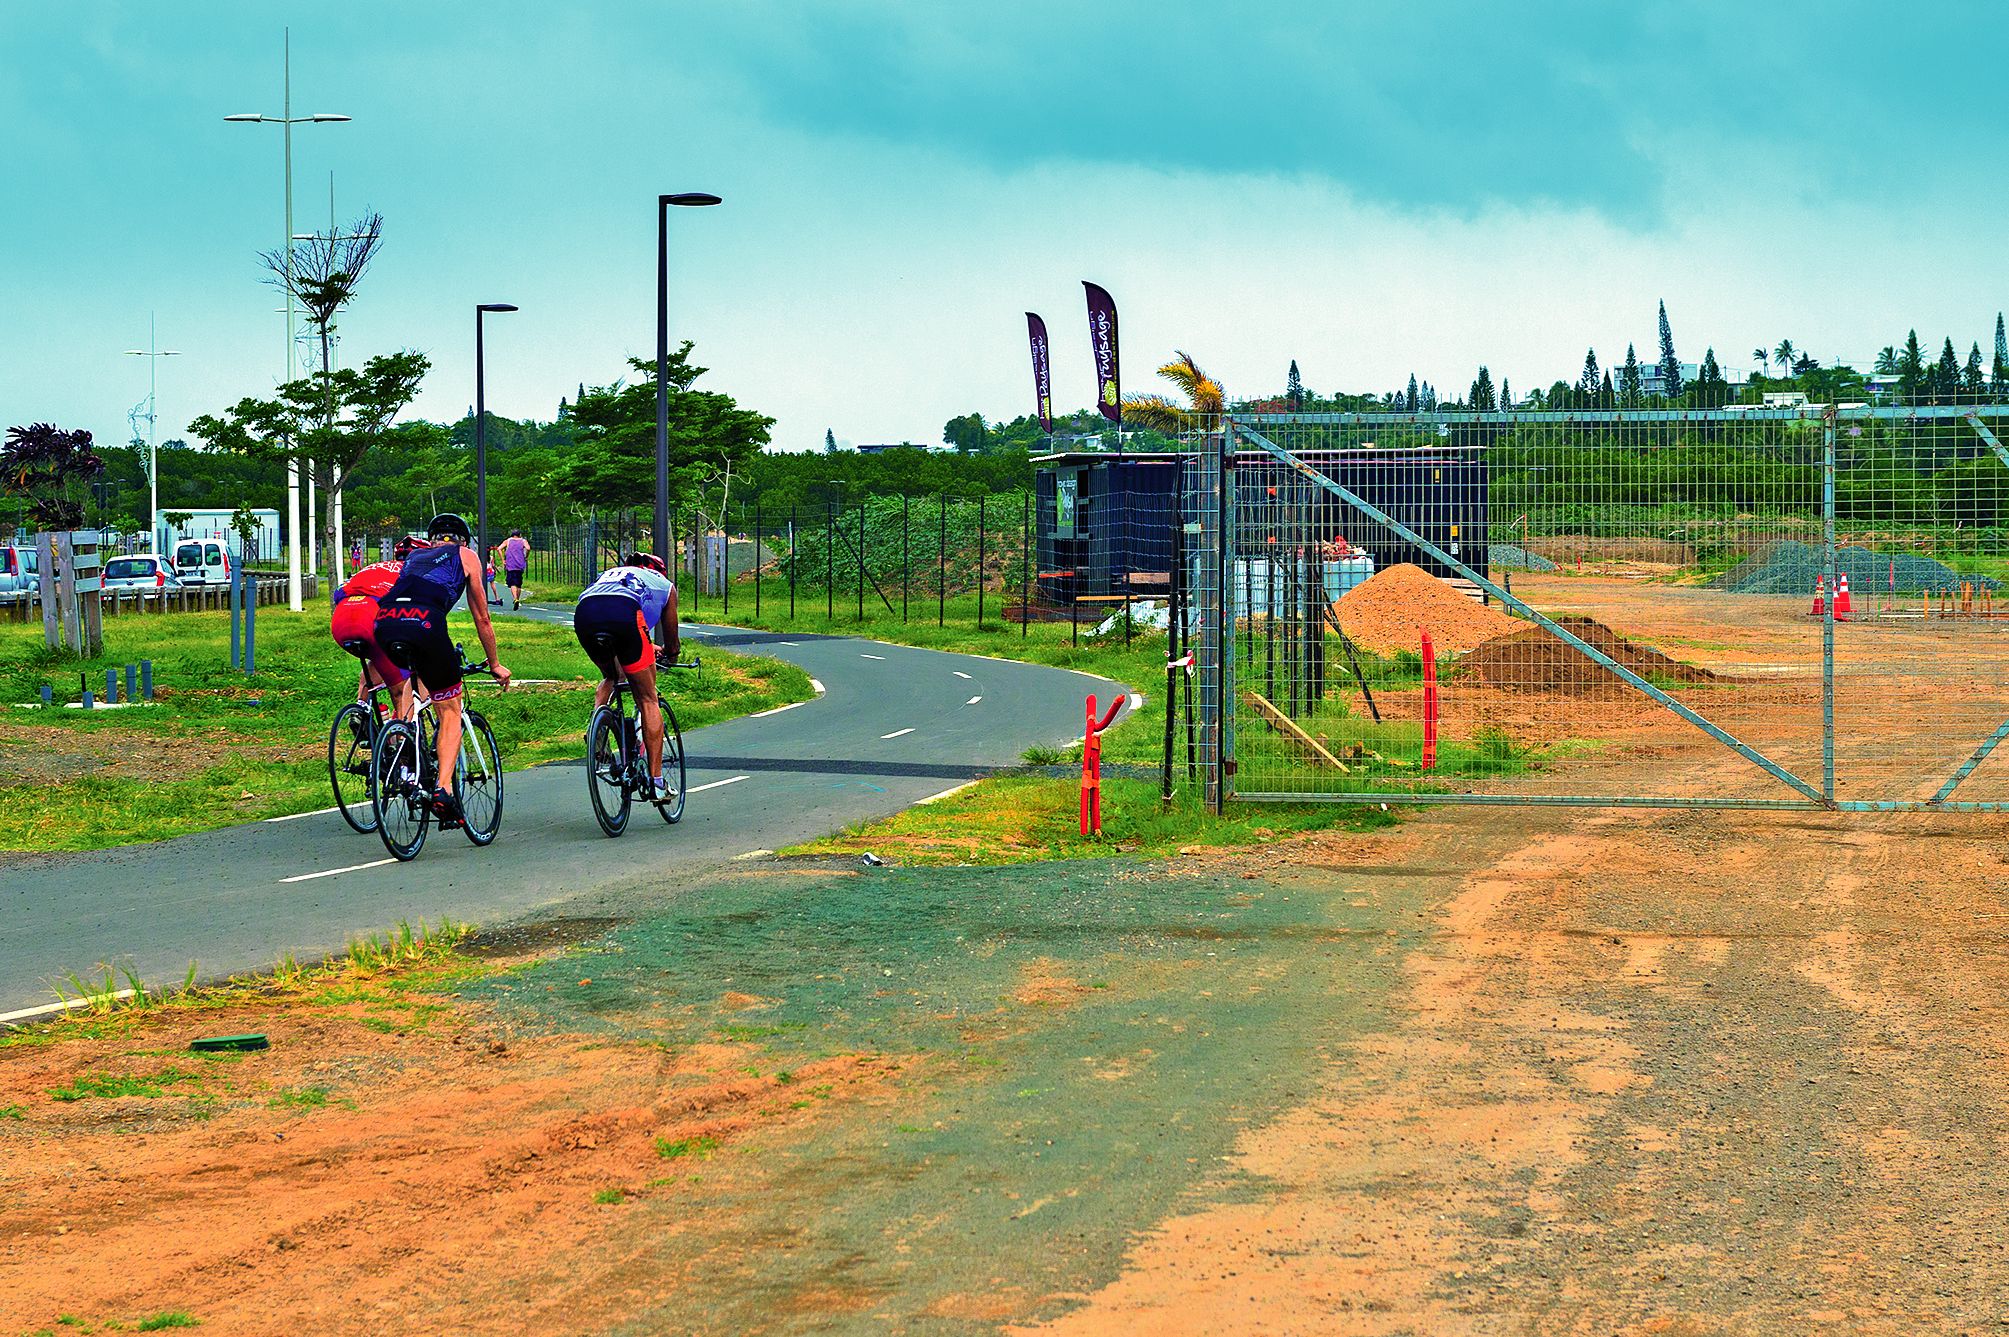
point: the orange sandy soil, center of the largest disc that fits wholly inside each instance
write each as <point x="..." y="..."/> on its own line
<point x="447" y="1185"/>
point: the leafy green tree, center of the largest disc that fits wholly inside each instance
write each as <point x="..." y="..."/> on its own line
<point x="1413" y="400"/>
<point x="1763" y="359"/>
<point x="1589" y="384"/>
<point x="51" y="469"/>
<point x="1560" y="396"/>
<point x="1973" y="383"/>
<point x="966" y="433"/>
<point x="1670" y="365"/>
<point x="614" y="463"/>
<point x="1506" y="394"/>
<point x="1628" y="380"/>
<point x="1607" y="395"/>
<point x="829" y="441"/>
<point x="1886" y="361"/>
<point x="334" y="418"/>
<point x="2000" y="376"/>
<point x="1711" y="390"/>
<point x="1294" y="388"/>
<point x="1946" y="374"/>
<point x="1482" y="397"/>
<point x="1785" y="354"/>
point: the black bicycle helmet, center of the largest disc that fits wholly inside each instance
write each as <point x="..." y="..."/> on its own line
<point x="403" y="548"/>
<point x="447" y="525"/>
<point x="648" y="561"/>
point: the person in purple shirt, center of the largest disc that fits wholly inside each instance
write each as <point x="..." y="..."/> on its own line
<point x="515" y="561"/>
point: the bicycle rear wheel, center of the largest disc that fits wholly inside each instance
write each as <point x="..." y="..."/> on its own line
<point x="400" y="791"/>
<point x="607" y="771"/>
<point x="478" y="780"/>
<point x="349" y="768"/>
<point x="672" y="808"/>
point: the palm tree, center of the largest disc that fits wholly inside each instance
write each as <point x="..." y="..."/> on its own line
<point x="1204" y="400"/>
<point x="1763" y="358"/>
<point x="1886" y="361"/>
<point x="1784" y="355"/>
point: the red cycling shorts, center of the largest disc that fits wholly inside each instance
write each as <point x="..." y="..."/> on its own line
<point x="354" y="626"/>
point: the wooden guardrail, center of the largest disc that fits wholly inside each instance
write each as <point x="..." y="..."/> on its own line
<point x="188" y="599"/>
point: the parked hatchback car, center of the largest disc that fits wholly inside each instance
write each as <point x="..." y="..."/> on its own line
<point x="144" y="574"/>
<point x="17" y="573"/>
<point x="202" y="562"/>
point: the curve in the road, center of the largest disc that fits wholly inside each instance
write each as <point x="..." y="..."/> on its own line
<point x="891" y="726"/>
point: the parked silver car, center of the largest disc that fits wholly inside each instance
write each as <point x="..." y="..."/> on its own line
<point x="144" y="574"/>
<point x="18" y="578"/>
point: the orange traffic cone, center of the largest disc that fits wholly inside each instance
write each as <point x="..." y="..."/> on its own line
<point x="1842" y="608"/>
<point x="1820" y="597"/>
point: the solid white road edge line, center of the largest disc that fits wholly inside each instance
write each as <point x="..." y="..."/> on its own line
<point x="68" y="1004"/>
<point x="699" y="789"/>
<point x="752" y="854"/>
<point x="294" y="816"/>
<point x="972" y="701"/>
<point x="775" y="710"/>
<point x="933" y="798"/>
<point x="332" y="872"/>
<point x="897" y="733"/>
<point x="817" y="685"/>
<point x="960" y="674"/>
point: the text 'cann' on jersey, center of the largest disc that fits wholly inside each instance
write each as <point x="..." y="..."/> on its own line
<point x="639" y="583"/>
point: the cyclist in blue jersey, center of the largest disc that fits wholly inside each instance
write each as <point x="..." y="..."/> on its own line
<point x="411" y="628"/>
<point x="624" y="605"/>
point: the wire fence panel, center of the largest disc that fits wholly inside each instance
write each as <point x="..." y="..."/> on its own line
<point x="1609" y="606"/>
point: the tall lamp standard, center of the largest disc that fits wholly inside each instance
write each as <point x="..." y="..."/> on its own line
<point x="481" y="438"/>
<point x="153" y="356"/>
<point x="689" y="199"/>
<point x="288" y="120"/>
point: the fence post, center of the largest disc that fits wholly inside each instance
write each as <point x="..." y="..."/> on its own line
<point x="1025" y="573"/>
<point x="793" y="553"/>
<point x="980" y="561"/>
<point x="861" y="561"/>
<point x="725" y="560"/>
<point x="1828" y="617"/>
<point x="236" y="644"/>
<point x="758" y="554"/>
<point x="829" y="561"/>
<point x="942" y="568"/>
<point x="905" y="555"/>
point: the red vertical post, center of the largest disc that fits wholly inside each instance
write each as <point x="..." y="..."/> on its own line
<point x="1429" y="703"/>
<point x="1091" y="775"/>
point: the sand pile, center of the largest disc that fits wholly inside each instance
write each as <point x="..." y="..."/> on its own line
<point x="1384" y="612"/>
<point x="1531" y="660"/>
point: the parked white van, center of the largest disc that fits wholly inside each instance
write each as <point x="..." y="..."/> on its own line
<point x="202" y="562"/>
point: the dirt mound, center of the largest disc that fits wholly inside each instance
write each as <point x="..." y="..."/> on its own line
<point x="1531" y="660"/>
<point x="1384" y="613"/>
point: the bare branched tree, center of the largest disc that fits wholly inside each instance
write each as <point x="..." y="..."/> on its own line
<point x="322" y="273"/>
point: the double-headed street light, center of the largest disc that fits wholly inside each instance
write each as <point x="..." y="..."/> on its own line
<point x="153" y="356"/>
<point x="689" y="199"/>
<point x="288" y="120"/>
<point x="481" y="438"/>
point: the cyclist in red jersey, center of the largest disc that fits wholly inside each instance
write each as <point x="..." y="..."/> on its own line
<point x="353" y="624"/>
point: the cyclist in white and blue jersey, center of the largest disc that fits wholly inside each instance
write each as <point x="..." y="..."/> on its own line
<point x="625" y="605"/>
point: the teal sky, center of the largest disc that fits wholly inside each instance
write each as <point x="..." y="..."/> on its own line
<point x="1370" y="190"/>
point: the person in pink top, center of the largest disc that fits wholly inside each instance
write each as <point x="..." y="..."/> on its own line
<point x="515" y="561"/>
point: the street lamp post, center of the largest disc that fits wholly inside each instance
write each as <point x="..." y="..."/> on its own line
<point x="689" y="199"/>
<point x="288" y="120"/>
<point x="481" y="438"/>
<point x="153" y="355"/>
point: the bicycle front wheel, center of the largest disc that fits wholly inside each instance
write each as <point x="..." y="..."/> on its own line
<point x="607" y="771"/>
<point x="479" y="780"/>
<point x="349" y="765"/>
<point x="400" y="790"/>
<point x="672" y="807"/>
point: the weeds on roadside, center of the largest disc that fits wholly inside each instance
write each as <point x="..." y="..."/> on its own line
<point x="172" y="1319"/>
<point x="110" y="1086"/>
<point x="406" y="945"/>
<point x="97" y="997"/>
<point x="685" y="1146"/>
<point x="610" y="1197"/>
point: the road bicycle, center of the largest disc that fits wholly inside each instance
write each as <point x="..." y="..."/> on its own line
<point x="404" y="778"/>
<point x="617" y="765"/>
<point x="352" y="742"/>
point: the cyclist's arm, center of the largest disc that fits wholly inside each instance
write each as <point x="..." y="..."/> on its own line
<point x="671" y="641"/>
<point x="477" y="603"/>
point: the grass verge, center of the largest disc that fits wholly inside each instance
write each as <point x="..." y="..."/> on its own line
<point x="219" y="747"/>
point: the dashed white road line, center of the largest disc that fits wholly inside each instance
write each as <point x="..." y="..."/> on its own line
<point x="336" y="872"/>
<point x="863" y="655"/>
<point x="699" y="789"/>
<point x="934" y="798"/>
<point x="960" y="674"/>
<point x="775" y="710"/>
<point x="972" y="701"/>
<point x="295" y="816"/>
<point x="897" y="733"/>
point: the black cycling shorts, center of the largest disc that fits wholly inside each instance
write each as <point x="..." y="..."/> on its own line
<point x="620" y="621"/>
<point x="414" y="636"/>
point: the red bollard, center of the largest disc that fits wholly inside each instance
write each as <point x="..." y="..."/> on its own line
<point x="1429" y="703"/>
<point x="1091" y="767"/>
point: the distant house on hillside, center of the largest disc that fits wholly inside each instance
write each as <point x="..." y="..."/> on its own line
<point x="883" y="447"/>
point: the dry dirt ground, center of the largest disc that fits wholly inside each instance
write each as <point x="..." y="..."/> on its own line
<point x="1637" y="1071"/>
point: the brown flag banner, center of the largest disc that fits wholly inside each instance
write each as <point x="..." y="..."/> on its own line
<point x="1042" y="375"/>
<point x="1102" y="339"/>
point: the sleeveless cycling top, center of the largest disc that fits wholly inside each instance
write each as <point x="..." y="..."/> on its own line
<point x="431" y="576"/>
<point x="374" y="580"/>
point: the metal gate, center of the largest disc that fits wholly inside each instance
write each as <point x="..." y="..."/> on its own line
<point x="1792" y="607"/>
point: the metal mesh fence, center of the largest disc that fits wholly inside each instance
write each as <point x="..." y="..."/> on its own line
<point x="1795" y="605"/>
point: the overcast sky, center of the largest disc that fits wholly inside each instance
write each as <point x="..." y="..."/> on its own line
<point x="1373" y="190"/>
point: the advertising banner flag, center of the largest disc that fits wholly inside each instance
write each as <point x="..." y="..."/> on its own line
<point x="1102" y="339"/>
<point x="1042" y="375"/>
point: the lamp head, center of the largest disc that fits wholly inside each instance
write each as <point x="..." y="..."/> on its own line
<point x="689" y="199"/>
<point x="320" y="116"/>
<point x="495" y="306"/>
<point x="245" y="116"/>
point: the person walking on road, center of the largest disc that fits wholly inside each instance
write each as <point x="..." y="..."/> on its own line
<point x="515" y="561"/>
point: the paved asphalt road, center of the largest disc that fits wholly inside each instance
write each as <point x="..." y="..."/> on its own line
<point x="894" y="725"/>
